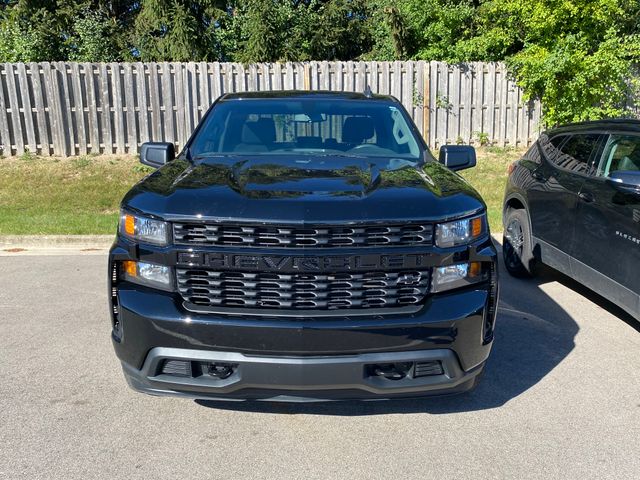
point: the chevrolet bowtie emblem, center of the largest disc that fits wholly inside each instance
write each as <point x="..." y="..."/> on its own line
<point x="409" y="278"/>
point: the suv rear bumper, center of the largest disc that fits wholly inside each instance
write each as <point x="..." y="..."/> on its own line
<point x="299" y="378"/>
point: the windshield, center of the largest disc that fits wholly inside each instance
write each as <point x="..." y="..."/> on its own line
<point x="306" y="126"/>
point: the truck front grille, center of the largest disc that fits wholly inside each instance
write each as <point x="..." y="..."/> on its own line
<point x="299" y="237"/>
<point x="301" y="290"/>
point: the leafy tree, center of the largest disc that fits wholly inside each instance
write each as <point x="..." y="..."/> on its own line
<point x="17" y="45"/>
<point x="398" y="31"/>
<point x="29" y="32"/>
<point x="176" y="30"/>
<point x="84" y="30"/>
<point x="437" y="27"/>
<point x="340" y="30"/>
<point x="577" y="56"/>
<point x="262" y="31"/>
<point x="289" y="30"/>
<point x="93" y="39"/>
<point x="379" y="26"/>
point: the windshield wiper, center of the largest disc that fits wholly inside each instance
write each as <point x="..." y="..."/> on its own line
<point x="202" y="156"/>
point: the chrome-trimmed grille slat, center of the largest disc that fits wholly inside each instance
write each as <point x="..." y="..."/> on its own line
<point x="211" y="288"/>
<point x="206" y="234"/>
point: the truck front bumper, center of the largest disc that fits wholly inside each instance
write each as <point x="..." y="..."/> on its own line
<point x="299" y="379"/>
<point x="303" y="359"/>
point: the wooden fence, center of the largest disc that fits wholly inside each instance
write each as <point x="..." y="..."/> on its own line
<point x="67" y="109"/>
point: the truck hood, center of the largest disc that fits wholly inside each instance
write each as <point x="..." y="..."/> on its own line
<point x="303" y="189"/>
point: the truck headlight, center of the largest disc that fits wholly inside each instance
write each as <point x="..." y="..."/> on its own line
<point x="144" y="229"/>
<point x="460" y="232"/>
<point x="149" y="274"/>
<point x="456" y="276"/>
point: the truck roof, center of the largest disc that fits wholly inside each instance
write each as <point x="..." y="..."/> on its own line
<point x="293" y="94"/>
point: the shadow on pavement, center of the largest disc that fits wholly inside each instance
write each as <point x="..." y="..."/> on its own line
<point x="599" y="300"/>
<point x="534" y="334"/>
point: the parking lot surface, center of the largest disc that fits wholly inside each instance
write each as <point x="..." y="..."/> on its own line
<point x="560" y="399"/>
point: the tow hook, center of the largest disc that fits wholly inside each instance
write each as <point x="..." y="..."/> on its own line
<point x="220" y="370"/>
<point x="392" y="371"/>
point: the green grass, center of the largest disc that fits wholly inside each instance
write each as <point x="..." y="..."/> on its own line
<point x="63" y="196"/>
<point x="489" y="178"/>
<point x="81" y="195"/>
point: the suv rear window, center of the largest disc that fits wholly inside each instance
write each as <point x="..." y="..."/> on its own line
<point x="533" y="154"/>
<point x="576" y="153"/>
<point x="551" y="146"/>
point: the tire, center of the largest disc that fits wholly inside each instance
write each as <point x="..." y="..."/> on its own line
<point x="517" y="251"/>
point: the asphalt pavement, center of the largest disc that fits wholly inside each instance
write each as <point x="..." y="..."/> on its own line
<point x="560" y="399"/>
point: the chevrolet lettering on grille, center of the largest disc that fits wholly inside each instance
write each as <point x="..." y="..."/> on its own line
<point x="306" y="263"/>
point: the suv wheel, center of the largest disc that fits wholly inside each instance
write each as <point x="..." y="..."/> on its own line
<point x="516" y="245"/>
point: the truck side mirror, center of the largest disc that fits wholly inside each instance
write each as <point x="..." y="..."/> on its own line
<point x="457" y="157"/>
<point x="626" y="181"/>
<point x="157" y="154"/>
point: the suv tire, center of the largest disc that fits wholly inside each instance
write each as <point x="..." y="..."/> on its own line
<point x="516" y="245"/>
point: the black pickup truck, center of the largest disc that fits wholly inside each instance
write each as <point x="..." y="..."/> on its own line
<point x="303" y="246"/>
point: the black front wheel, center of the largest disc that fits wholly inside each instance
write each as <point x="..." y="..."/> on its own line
<point x="516" y="245"/>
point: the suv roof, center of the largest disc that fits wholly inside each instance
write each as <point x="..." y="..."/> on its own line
<point x="306" y="94"/>
<point x="615" y="124"/>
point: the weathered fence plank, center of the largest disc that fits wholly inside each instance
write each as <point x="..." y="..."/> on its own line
<point x="52" y="92"/>
<point x="190" y="98"/>
<point x="78" y="109"/>
<point x="13" y="104"/>
<point x="154" y="100"/>
<point x="105" y="110"/>
<point x="167" y="101"/>
<point x="478" y="101"/>
<point x="118" y="110"/>
<point x="68" y="108"/>
<point x="41" y="115"/>
<point x="502" y="119"/>
<point x="130" y="106"/>
<point x="491" y="104"/>
<point x="94" y="134"/>
<point x="5" y="138"/>
<point x="26" y="107"/>
<point x="418" y="101"/>
<point x="180" y="107"/>
<point x="466" y="99"/>
<point x="143" y="109"/>
<point x="205" y="98"/>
